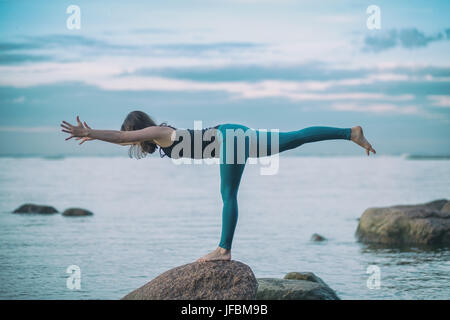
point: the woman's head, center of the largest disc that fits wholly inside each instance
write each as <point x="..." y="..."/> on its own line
<point x="137" y="120"/>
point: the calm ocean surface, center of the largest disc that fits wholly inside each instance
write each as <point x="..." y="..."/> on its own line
<point x="151" y="215"/>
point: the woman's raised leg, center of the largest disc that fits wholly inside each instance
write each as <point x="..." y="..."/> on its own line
<point x="292" y="139"/>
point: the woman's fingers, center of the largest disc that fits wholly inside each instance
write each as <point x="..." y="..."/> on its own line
<point x="69" y="128"/>
<point x="83" y="139"/>
<point x="68" y="123"/>
<point x="86" y="139"/>
<point x="79" y="122"/>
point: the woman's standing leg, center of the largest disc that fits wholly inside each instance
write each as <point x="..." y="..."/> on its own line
<point x="230" y="177"/>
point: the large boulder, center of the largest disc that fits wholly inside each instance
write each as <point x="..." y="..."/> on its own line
<point x="211" y="280"/>
<point x="35" y="208"/>
<point x="76" y="212"/>
<point x="427" y="223"/>
<point x="295" y="286"/>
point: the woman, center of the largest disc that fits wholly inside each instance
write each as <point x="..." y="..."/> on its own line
<point x="144" y="136"/>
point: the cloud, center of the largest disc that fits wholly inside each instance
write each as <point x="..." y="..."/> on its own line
<point x="19" y="100"/>
<point x="377" y="108"/>
<point x="298" y="91"/>
<point x="409" y="38"/>
<point x="28" y="129"/>
<point x="11" y="59"/>
<point x="440" y="100"/>
<point x="56" y="48"/>
<point x="105" y="76"/>
<point x="196" y="48"/>
<point x="153" y="31"/>
<point x="314" y="75"/>
<point x="69" y="41"/>
<point x="14" y="46"/>
<point x="383" y="41"/>
<point x="77" y="47"/>
<point x="312" y="70"/>
<point x="53" y="40"/>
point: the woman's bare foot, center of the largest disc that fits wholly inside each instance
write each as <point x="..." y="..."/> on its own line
<point x="218" y="254"/>
<point x="357" y="137"/>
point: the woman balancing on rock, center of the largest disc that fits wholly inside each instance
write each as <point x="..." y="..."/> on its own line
<point x="144" y="136"/>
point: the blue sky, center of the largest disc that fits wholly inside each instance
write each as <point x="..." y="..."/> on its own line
<point x="267" y="64"/>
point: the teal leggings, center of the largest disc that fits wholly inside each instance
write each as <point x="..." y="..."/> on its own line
<point x="231" y="173"/>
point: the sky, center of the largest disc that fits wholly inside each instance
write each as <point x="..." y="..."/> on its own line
<point x="273" y="64"/>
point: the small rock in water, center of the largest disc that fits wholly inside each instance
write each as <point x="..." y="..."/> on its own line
<point x="295" y="286"/>
<point x="77" y="212"/>
<point x="35" y="208"/>
<point x="317" y="237"/>
<point x="308" y="276"/>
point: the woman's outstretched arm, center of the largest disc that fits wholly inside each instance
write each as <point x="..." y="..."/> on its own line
<point x="114" y="136"/>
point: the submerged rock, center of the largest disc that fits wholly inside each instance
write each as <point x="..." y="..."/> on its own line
<point x="35" y="208"/>
<point x="77" y="212"/>
<point x="318" y="238"/>
<point x="295" y="286"/>
<point x="427" y="223"/>
<point x="212" y="280"/>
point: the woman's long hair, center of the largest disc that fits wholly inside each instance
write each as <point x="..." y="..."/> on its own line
<point x="137" y="120"/>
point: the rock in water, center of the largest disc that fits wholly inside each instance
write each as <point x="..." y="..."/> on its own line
<point x="427" y="224"/>
<point x="317" y="238"/>
<point x="76" y="212"/>
<point x="295" y="286"/>
<point x="35" y="208"/>
<point x="446" y="207"/>
<point x="211" y="280"/>
<point x="308" y="276"/>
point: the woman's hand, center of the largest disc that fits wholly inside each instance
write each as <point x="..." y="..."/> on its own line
<point x="79" y="132"/>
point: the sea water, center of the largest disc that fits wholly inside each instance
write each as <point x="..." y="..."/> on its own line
<point x="151" y="215"/>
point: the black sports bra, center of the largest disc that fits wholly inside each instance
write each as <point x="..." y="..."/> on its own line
<point x="179" y="138"/>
